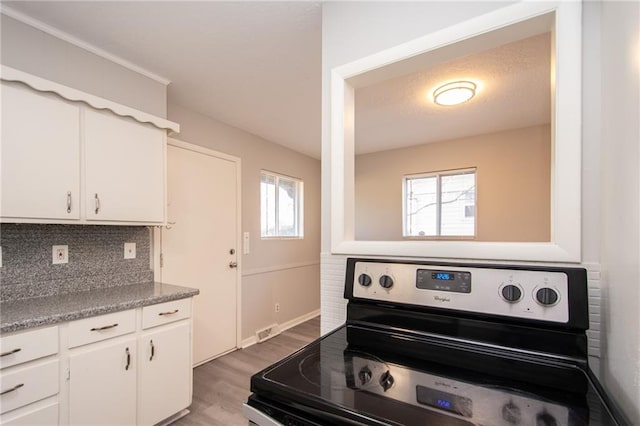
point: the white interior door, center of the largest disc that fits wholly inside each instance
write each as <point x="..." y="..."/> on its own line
<point x="199" y="246"/>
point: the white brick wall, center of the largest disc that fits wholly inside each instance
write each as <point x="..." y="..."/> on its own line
<point x="333" y="305"/>
<point x="333" y="311"/>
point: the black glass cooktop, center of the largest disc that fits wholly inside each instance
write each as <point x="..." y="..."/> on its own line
<point x="356" y="376"/>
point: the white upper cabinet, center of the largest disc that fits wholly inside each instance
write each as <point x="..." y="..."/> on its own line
<point x="40" y="155"/>
<point x="70" y="157"/>
<point x="124" y="169"/>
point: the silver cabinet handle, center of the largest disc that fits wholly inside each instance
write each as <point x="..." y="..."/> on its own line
<point x="10" y="352"/>
<point x="153" y="351"/>
<point x="106" y="327"/>
<point x="128" y="359"/>
<point x="16" y="387"/>
<point x="68" y="201"/>
<point x="97" y="200"/>
<point x="175" y="311"/>
<point x="233" y="264"/>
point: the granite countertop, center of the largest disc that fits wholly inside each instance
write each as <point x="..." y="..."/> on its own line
<point x="39" y="311"/>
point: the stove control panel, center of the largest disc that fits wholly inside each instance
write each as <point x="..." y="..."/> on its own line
<point x="535" y="295"/>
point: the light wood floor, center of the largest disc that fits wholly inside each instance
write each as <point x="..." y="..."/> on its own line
<point x="222" y="385"/>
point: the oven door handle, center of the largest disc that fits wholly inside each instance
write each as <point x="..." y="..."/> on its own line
<point x="258" y="417"/>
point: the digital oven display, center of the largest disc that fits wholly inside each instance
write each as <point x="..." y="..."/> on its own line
<point x="451" y="281"/>
<point x="443" y="276"/>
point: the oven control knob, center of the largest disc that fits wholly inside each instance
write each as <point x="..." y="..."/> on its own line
<point x="547" y="296"/>
<point x="386" y="380"/>
<point x="511" y="293"/>
<point x="364" y="375"/>
<point x="545" y="419"/>
<point x="364" y="280"/>
<point x="511" y="413"/>
<point x="386" y="281"/>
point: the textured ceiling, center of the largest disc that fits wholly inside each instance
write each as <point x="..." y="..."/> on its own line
<point x="514" y="92"/>
<point x="257" y="66"/>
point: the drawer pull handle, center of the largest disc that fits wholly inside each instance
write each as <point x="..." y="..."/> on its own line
<point x="16" y="387"/>
<point x="10" y="352"/>
<point x="175" y="311"/>
<point x="106" y="327"/>
<point x="128" y="359"/>
<point x="153" y="351"/>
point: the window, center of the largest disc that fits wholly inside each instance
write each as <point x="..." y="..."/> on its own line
<point x="280" y="206"/>
<point x="440" y="204"/>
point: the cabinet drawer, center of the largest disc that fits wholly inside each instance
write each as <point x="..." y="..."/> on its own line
<point x="24" y="385"/>
<point x="29" y="345"/>
<point x="94" y="329"/>
<point x="167" y="312"/>
<point x="42" y="416"/>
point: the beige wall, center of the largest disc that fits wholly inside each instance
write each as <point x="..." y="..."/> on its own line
<point x="512" y="177"/>
<point x="276" y="271"/>
<point x="33" y="51"/>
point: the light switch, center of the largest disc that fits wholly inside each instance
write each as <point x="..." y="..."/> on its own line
<point x="129" y="250"/>
<point x="246" y="249"/>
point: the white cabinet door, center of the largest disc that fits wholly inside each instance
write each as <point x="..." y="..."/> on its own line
<point x="124" y="169"/>
<point x="102" y="384"/>
<point x="40" y="155"/>
<point x="165" y="377"/>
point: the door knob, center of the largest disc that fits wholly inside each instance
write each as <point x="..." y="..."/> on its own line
<point x="233" y="264"/>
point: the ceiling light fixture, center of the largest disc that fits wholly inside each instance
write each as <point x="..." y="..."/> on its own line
<point x="454" y="93"/>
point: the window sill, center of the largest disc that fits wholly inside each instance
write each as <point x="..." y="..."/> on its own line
<point x="441" y="238"/>
<point x="281" y="238"/>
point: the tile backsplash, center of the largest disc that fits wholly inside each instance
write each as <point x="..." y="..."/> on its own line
<point x="96" y="259"/>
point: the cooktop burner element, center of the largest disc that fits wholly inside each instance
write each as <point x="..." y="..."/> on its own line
<point x="418" y="348"/>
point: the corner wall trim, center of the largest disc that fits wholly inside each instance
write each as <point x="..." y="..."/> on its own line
<point x="275" y="268"/>
<point x="250" y="341"/>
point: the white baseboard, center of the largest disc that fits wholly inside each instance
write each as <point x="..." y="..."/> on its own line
<point x="250" y="341"/>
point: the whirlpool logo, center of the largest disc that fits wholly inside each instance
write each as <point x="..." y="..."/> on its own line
<point x="441" y="299"/>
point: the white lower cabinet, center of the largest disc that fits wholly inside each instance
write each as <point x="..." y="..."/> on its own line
<point x="30" y="377"/>
<point x="163" y="359"/>
<point x="102" y="384"/>
<point x="125" y="374"/>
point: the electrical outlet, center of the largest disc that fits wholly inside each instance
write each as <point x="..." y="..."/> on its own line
<point x="277" y="307"/>
<point x="60" y="254"/>
<point x="129" y="250"/>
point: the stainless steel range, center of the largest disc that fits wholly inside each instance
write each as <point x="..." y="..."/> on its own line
<point x="444" y="344"/>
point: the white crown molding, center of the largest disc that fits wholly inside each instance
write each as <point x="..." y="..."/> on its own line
<point x="55" y="32"/>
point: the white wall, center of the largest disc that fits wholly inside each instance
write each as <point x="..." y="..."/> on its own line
<point x="611" y="194"/>
<point x="31" y="50"/>
<point x="350" y="31"/>
<point x="620" y="255"/>
<point x="282" y="271"/>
